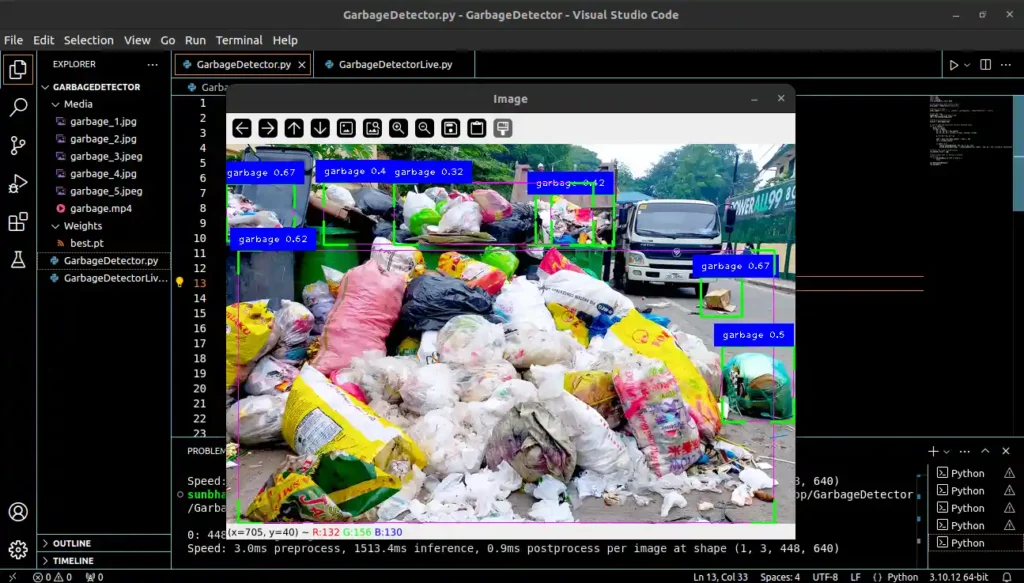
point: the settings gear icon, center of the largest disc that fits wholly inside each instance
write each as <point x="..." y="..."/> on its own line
<point x="18" y="550"/>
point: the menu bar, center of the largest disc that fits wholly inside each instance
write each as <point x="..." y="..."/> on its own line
<point x="220" y="18"/>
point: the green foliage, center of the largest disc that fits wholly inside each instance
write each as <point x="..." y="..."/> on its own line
<point x="701" y="172"/>
<point x="770" y="229"/>
<point x="337" y="151"/>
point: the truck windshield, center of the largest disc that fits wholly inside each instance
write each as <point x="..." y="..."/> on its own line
<point x="677" y="220"/>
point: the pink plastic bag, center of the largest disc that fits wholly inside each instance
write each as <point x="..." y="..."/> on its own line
<point x="361" y="319"/>
<point x="493" y="206"/>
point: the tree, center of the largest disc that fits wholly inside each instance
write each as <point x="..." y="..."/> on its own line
<point x="624" y="179"/>
<point x="702" y="172"/>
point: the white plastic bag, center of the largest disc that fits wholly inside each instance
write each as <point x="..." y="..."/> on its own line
<point x="414" y="203"/>
<point x="461" y="217"/>
<point x="478" y="382"/>
<point x="521" y="302"/>
<point x="470" y="340"/>
<point x="481" y="417"/>
<point x="257" y="420"/>
<point x="427" y="352"/>
<point x="598" y="448"/>
<point x="382" y="377"/>
<point x="296" y="323"/>
<point x="431" y="387"/>
<point x="708" y="363"/>
<point x="550" y="511"/>
<point x="389" y="257"/>
<point x="528" y="346"/>
<point x="600" y="355"/>
<point x="318" y="298"/>
<point x="270" y="376"/>
<point x="436" y="193"/>
<point x="449" y="448"/>
<point x="339" y="194"/>
<point x="584" y="294"/>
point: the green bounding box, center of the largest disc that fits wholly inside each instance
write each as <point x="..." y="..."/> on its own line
<point x="310" y="268"/>
<point x="791" y="420"/>
<point x="715" y="316"/>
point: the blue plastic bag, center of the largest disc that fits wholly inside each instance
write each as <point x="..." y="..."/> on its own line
<point x="659" y="320"/>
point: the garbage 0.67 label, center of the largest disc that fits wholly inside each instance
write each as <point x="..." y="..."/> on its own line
<point x="735" y="266"/>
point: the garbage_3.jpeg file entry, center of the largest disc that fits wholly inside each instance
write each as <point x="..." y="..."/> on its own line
<point x="513" y="335"/>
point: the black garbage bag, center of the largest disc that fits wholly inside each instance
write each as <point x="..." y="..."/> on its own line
<point x="371" y="201"/>
<point x="516" y="229"/>
<point x="394" y="213"/>
<point x="383" y="229"/>
<point x="431" y="300"/>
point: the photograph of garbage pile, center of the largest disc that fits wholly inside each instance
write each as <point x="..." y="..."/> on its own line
<point x="445" y="360"/>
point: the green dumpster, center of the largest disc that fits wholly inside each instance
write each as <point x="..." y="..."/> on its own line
<point x="587" y="260"/>
<point x="340" y="253"/>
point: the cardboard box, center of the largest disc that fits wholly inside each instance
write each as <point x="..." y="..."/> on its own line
<point x="719" y="299"/>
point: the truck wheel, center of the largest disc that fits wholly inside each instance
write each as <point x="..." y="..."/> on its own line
<point x="701" y="290"/>
<point x="628" y="287"/>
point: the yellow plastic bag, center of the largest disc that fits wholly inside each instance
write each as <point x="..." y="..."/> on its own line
<point x="566" y="319"/>
<point x="653" y="341"/>
<point x="250" y="335"/>
<point x="473" y="272"/>
<point x="595" y="388"/>
<point x="322" y="420"/>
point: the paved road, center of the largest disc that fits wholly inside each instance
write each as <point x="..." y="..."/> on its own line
<point x="761" y="305"/>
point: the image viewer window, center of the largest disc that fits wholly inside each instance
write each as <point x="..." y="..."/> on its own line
<point x="491" y="240"/>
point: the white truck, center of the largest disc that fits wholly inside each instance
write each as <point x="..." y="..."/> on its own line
<point x="657" y="241"/>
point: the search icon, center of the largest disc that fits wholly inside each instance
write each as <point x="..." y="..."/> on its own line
<point x="20" y="105"/>
<point x="399" y="128"/>
<point x="17" y="512"/>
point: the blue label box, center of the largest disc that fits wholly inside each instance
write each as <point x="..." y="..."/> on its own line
<point x="395" y="171"/>
<point x="284" y="239"/>
<point x="778" y="335"/>
<point x="266" y="173"/>
<point x="561" y="183"/>
<point x="735" y="266"/>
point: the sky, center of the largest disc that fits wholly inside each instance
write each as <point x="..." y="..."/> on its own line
<point x="640" y="158"/>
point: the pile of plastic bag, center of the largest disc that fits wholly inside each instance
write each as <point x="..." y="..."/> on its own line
<point x="439" y="394"/>
<point x="243" y="212"/>
<point x="564" y="223"/>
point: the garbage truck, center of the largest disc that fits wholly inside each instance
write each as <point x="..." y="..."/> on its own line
<point x="658" y="239"/>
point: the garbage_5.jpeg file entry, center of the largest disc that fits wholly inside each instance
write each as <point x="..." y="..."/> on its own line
<point x="434" y="334"/>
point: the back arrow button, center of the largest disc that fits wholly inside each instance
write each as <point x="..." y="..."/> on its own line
<point x="242" y="129"/>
